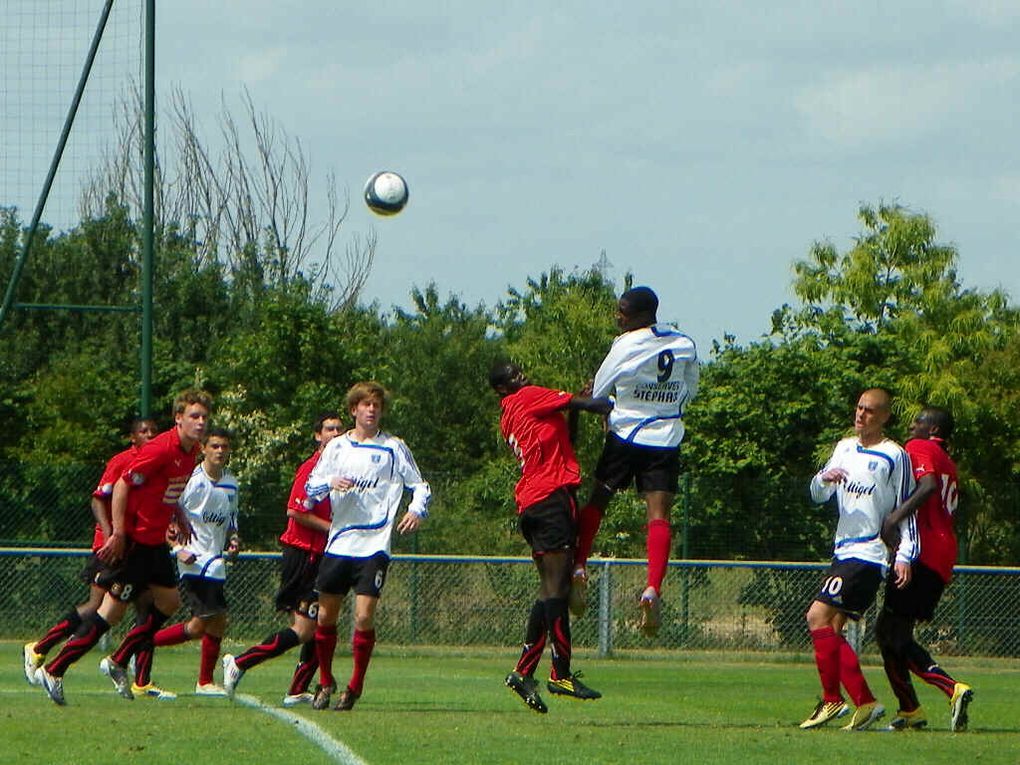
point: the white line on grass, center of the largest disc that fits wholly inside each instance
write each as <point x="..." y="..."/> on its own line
<point x="337" y="750"/>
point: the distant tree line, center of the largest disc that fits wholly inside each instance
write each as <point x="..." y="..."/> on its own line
<point x="276" y="345"/>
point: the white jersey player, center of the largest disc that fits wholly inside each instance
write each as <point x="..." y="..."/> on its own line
<point x="876" y="479"/>
<point x="211" y="507"/>
<point x="377" y="470"/>
<point x="365" y="472"/>
<point x="650" y="374"/>
<point x="870" y="475"/>
<point x="209" y="503"/>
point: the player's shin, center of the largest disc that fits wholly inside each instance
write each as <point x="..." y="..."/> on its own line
<point x="84" y="639"/>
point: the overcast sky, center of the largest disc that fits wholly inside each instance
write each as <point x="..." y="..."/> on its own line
<point x="703" y="146"/>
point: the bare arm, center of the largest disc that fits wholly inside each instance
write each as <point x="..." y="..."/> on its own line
<point x="925" y="488"/>
<point x="586" y="404"/>
<point x="101" y="512"/>
<point x="309" y="520"/>
<point x="113" y="549"/>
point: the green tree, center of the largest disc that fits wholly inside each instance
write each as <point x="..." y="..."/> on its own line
<point x="899" y="286"/>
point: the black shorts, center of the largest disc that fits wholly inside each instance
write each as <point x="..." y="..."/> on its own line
<point x="651" y="468"/>
<point x="141" y="566"/>
<point x="550" y="525"/>
<point x="919" y="598"/>
<point x="92" y="569"/>
<point x="850" y="585"/>
<point x="338" y="574"/>
<point x="205" y="597"/>
<point x="297" y="581"/>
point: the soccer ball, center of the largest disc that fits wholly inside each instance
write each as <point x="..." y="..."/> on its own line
<point x="386" y="193"/>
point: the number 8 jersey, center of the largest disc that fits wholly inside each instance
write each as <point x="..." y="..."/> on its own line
<point x="654" y="373"/>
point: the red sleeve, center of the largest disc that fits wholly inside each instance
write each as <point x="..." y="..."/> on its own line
<point x="147" y="461"/>
<point x="296" y="501"/>
<point x="114" y="470"/>
<point x="538" y="401"/>
<point x="923" y="455"/>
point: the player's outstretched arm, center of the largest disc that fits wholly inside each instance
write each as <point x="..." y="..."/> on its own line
<point x="890" y="526"/>
<point x="586" y="404"/>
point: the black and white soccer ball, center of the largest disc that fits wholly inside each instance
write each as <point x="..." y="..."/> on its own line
<point x="386" y="193"/>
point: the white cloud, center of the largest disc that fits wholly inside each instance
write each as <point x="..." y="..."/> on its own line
<point x="890" y="104"/>
<point x="1006" y="188"/>
<point x="993" y="13"/>
<point x="260" y="65"/>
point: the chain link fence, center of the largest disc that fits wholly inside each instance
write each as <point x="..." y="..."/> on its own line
<point x="470" y="601"/>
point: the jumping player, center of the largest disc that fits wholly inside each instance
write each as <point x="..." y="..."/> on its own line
<point x="364" y="472"/>
<point x="303" y="542"/>
<point x="869" y="475"/>
<point x="136" y="553"/>
<point x="210" y="501"/>
<point x="142" y="431"/>
<point x="913" y="593"/>
<point x="651" y="373"/>
<point x="533" y="424"/>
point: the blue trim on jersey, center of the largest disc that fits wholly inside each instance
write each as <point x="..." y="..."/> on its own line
<point x="863" y="562"/>
<point x="637" y="428"/>
<point x="317" y="491"/>
<point x="648" y="421"/>
<point x="855" y="540"/>
<point x="207" y="565"/>
<point x="670" y="332"/>
<point x="908" y="473"/>
<point x="883" y="455"/>
<point x="358" y="527"/>
<point x="377" y="447"/>
<point x="380" y="554"/>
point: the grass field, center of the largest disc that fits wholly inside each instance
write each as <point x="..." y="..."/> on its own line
<point x="441" y="706"/>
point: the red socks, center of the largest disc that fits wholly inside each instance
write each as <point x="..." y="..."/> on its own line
<point x="851" y="676"/>
<point x="838" y="663"/>
<point x="658" y="543"/>
<point x="210" y="653"/>
<point x="175" y="634"/>
<point x="827" y="658"/>
<point x="589" y="518"/>
<point x="325" y="645"/>
<point x="361" y="650"/>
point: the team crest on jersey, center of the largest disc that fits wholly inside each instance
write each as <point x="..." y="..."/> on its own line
<point x="137" y="479"/>
<point x="376" y="458"/>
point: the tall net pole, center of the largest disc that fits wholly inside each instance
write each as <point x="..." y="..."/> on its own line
<point x="40" y="205"/>
<point x="149" y="154"/>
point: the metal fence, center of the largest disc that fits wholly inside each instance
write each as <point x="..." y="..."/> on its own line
<point x="47" y="505"/>
<point x="472" y="601"/>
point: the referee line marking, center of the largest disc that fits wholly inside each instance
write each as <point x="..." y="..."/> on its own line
<point x="337" y="750"/>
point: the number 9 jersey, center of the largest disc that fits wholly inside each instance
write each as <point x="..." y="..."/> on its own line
<point x="654" y="373"/>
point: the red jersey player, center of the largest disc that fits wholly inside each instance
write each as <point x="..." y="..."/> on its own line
<point x="138" y="558"/>
<point x="533" y="424"/>
<point x="142" y="430"/>
<point x="303" y="541"/>
<point x="913" y="592"/>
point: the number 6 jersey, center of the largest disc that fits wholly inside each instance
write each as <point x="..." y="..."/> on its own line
<point x="381" y="468"/>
